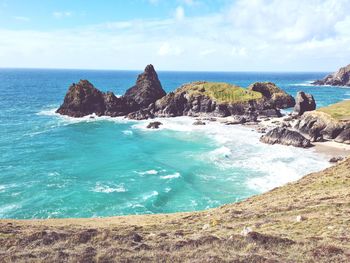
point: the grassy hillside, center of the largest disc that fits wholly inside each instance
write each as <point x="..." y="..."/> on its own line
<point x="339" y="111"/>
<point x="222" y="92"/>
<point x="305" y="221"/>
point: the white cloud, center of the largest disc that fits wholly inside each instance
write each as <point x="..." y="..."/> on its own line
<point x="21" y="18"/>
<point x="248" y="35"/>
<point x="179" y="13"/>
<point x="61" y="14"/>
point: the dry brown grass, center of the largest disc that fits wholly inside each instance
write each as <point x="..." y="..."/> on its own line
<point x="322" y="199"/>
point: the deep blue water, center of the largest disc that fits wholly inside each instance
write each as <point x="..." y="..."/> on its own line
<point x="51" y="166"/>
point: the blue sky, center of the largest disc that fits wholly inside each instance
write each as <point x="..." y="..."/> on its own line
<point x="216" y="35"/>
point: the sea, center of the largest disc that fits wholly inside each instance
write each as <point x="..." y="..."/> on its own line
<point x="59" y="167"/>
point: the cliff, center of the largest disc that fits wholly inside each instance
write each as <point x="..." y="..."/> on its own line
<point x="338" y="78"/>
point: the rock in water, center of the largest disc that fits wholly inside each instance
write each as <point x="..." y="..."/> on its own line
<point x="286" y="137"/>
<point x="339" y="78"/>
<point x="304" y="102"/>
<point x="82" y="99"/>
<point x="147" y="90"/>
<point x="276" y="97"/>
<point x="199" y="122"/>
<point x="154" y="125"/>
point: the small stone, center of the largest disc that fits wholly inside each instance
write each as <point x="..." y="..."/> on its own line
<point x="199" y="122"/>
<point x="246" y="231"/>
<point x="300" y="218"/>
<point x="336" y="159"/>
<point x="206" y="226"/>
<point x="154" y="125"/>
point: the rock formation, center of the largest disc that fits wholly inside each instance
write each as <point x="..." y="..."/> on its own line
<point x="286" y="137"/>
<point x="304" y="102"/>
<point x="318" y="126"/>
<point x="274" y="96"/>
<point x="147" y="90"/>
<point x="339" y="78"/>
<point x="84" y="99"/>
<point x="344" y="136"/>
<point x="154" y="125"/>
<point x="197" y="98"/>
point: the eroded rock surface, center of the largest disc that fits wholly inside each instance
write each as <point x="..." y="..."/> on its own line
<point x="338" y="78"/>
<point x="286" y="137"/>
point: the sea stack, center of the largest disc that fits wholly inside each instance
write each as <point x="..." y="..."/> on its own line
<point x="304" y="102"/>
<point x="146" y="91"/>
<point x="339" y="78"/>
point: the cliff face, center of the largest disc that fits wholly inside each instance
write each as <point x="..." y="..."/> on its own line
<point x="339" y="78"/>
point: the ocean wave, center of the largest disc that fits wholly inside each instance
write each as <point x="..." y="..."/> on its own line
<point x="101" y="188"/>
<point x="150" y="172"/>
<point x="147" y="196"/>
<point x="171" y="176"/>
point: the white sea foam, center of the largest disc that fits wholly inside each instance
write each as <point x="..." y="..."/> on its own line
<point x="171" y="176"/>
<point x="150" y="172"/>
<point x="150" y="195"/>
<point x="101" y="188"/>
<point x="128" y="132"/>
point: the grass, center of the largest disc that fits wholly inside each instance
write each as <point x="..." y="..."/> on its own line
<point x="339" y="111"/>
<point x="322" y="198"/>
<point x="223" y="92"/>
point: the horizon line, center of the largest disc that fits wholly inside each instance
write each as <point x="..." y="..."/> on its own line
<point x="166" y="70"/>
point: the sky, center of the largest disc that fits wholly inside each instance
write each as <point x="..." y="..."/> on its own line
<point x="183" y="35"/>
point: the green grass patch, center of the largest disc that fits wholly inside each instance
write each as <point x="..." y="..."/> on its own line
<point x="224" y="92"/>
<point x="339" y="111"/>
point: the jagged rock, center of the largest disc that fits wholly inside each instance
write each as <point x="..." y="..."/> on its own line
<point x="276" y="97"/>
<point x="270" y="113"/>
<point x="318" y="126"/>
<point x="147" y="90"/>
<point x="199" y="122"/>
<point x="339" y="78"/>
<point x="154" y="125"/>
<point x="304" y="102"/>
<point x="344" y="136"/>
<point x="336" y="159"/>
<point x="114" y="106"/>
<point x="82" y="99"/>
<point x="286" y="137"/>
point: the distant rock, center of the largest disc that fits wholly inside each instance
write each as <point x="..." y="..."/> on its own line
<point x="318" y="126"/>
<point x="339" y="78"/>
<point x="199" y="122"/>
<point x="82" y="99"/>
<point x="344" y="136"/>
<point x="304" y="102"/>
<point x="154" y="125"/>
<point x="274" y="96"/>
<point x="147" y="90"/>
<point x="286" y="137"/>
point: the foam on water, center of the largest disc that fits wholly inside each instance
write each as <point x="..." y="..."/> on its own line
<point x="171" y="176"/>
<point x="103" y="188"/>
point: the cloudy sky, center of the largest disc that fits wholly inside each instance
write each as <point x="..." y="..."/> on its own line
<point x="208" y="35"/>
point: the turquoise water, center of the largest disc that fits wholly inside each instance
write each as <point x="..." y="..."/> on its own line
<point x="53" y="166"/>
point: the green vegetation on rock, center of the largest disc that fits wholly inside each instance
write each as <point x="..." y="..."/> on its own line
<point x="339" y="111"/>
<point x="222" y="92"/>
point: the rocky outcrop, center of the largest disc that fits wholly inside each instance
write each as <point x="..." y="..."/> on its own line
<point x="273" y="95"/>
<point x="146" y="91"/>
<point x="198" y="98"/>
<point x="318" y="126"/>
<point x="154" y="125"/>
<point x="304" y="102"/>
<point x="339" y="78"/>
<point x="344" y="136"/>
<point x="83" y="99"/>
<point x="286" y="137"/>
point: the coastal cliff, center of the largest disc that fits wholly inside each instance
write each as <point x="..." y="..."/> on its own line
<point x="305" y="221"/>
<point x="338" y="78"/>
